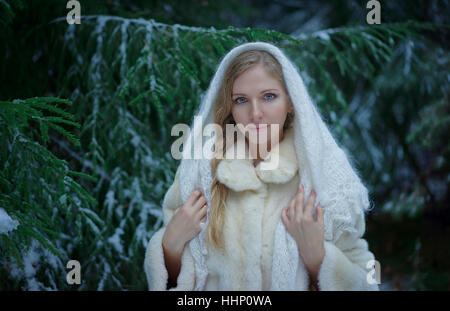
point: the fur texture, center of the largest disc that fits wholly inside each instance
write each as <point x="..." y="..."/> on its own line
<point x="253" y="210"/>
<point x="323" y="165"/>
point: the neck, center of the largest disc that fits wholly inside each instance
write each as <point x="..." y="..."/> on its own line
<point x="263" y="149"/>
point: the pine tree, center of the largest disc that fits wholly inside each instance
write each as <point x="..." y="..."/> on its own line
<point x="92" y="190"/>
<point x="39" y="194"/>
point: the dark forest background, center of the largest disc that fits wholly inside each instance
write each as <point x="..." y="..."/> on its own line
<point x="86" y="112"/>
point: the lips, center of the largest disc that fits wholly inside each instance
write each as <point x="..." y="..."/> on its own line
<point x="257" y="126"/>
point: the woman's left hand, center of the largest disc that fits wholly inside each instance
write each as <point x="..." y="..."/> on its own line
<point x="306" y="231"/>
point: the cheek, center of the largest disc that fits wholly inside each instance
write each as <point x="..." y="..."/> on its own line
<point x="277" y="113"/>
<point x="239" y="114"/>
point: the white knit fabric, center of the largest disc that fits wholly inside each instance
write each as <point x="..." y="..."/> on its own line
<point x="323" y="165"/>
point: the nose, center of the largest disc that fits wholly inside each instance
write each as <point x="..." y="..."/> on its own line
<point x="256" y="112"/>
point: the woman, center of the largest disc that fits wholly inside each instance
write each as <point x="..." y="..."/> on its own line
<point x="229" y="224"/>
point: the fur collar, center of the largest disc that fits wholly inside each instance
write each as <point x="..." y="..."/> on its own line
<point x="240" y="174"/>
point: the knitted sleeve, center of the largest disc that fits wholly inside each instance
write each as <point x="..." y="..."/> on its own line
<point x="154" y="265"/>
<point x="344" y="266"/>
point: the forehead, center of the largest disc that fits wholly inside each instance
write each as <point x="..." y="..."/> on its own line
<point x="255" y="80"/>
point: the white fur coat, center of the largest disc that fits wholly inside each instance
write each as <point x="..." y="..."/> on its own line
<point x="254" y="204"/>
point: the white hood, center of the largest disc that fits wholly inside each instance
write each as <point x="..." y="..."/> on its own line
<point x="323" y="167"/>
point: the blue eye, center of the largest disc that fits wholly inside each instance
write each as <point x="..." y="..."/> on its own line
<point x="270" y="94"/>
<point x="237" y="100"/>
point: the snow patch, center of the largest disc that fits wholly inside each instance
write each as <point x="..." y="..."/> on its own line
<point x="7" y="224"/>
<point x="115" y="240"/>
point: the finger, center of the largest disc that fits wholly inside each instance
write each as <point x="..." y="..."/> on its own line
<point x="320" y="213"/>
<point x="290" y="209"/>
<point x="199" y="203"/>
<point x="309" y="208"/>
<point x="193" y="197"/>
<point x="299" y="203"/>
<point x="284" y="216"/>
<point x="203" y="219"/>
<point x="202" y="211"/>
<point x="289" y="212"/>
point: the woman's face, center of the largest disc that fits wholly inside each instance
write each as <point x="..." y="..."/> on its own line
<point x="258" y="98"/>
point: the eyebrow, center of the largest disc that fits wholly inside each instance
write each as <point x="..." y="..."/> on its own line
<point x="259" y="93"/>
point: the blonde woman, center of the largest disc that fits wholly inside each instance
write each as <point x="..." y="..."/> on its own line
<point x="230" y="224"/>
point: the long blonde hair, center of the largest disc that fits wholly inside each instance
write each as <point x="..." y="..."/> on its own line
<point x="223" y="116"/>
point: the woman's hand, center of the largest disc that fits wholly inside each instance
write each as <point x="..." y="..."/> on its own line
<point x="306" y="231"/>
<point x="185" y="222"/>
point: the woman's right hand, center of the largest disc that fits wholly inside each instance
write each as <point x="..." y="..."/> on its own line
<point x="185" y="222"/>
